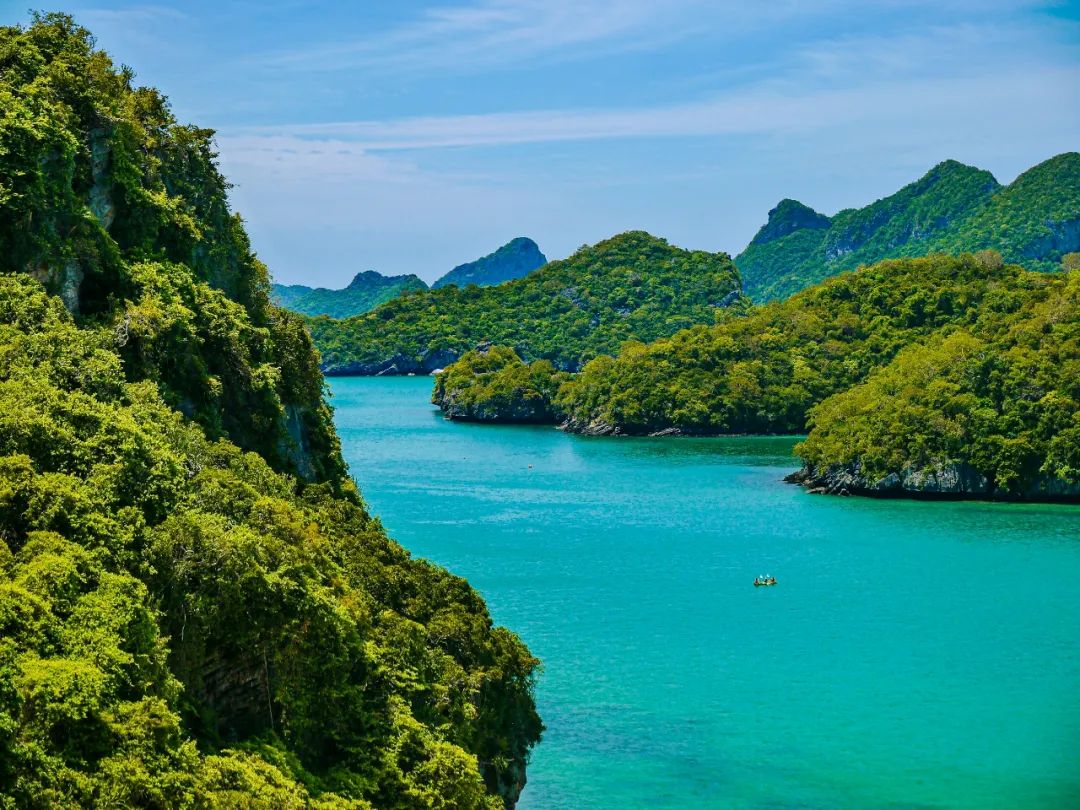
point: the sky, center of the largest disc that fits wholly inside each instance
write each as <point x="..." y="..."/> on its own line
<point x="408" y="137"/>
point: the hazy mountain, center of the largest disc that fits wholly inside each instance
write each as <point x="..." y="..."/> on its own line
<point x="516" y="258"/>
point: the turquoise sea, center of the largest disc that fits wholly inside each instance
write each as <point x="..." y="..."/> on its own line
<point x="912" y="655"/>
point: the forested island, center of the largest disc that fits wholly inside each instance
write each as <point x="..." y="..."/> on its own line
<point x="627" y="288"/>
<point x="516" y="259"/>
<point x="859" y="361"/>
<point x="632" y="286"/>
<point x="197" y="608"/>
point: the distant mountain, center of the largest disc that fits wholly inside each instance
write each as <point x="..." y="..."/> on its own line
<point x="365" y="292"/>
<point x="953" y="208"/>
<point x="516" y="258"/>
<point x="631" y="287"/>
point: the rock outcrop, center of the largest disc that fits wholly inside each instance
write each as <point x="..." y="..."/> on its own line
<point x="944" y="480"/>
<point x="396" y="364"/>
<point x="786" y="218"/>
<point x="520" y="410"/>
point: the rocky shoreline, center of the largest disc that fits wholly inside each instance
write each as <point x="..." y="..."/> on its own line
<point x="953" y="480"/>
<point x="398" y="365"/>
<point x="519" y="411"/>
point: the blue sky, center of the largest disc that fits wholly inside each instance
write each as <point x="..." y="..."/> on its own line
<point x="412" y="136"/>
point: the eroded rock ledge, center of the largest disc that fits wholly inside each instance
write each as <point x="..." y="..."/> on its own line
<point x="950" y="480"/>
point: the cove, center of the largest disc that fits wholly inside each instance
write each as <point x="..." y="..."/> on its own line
<point x="913" y="654"/>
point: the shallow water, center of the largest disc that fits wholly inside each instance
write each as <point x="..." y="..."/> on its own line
<point x="912" y="655"/>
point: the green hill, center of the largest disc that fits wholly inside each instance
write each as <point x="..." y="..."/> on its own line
<point x="762" y="372"/>
<point x="934" y="377"/>
<point x="1034" y="221"/>
<point x="492" y="384"/>
<point x="632" y="286"/>
<point x="196" y="608"/>
<point x="515" y="259"/>
<point x="366" y="291"/>
<point x="954" y="208"/>
<point x="992" y="410"/>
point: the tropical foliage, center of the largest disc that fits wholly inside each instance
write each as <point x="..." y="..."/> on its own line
<point x="633" y="286"/>
<point x="197" y="609"/>
<point x="1001" y="397"/>
<point x="492" y="384"/>
<point x="120" y="211"/>
<point x="762" y="372"/>
<point x="366" y="291"/>
<point x="953" y="208"/>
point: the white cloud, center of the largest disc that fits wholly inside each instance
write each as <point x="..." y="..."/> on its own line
<point x="769" y="109"/>
<point x="489" y="33"/>
<point x="130" y="16"/>
<point x="320" y="160"/>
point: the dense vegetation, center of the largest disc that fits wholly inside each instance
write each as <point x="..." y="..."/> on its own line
<point x="633" y="286"/>
<point x="515" y="259"/>
<point x="995" y="407"/>
<point x="954" y="208"/>
<point x="365" y="292"/>
<point x="196" y="608"/>
<point x="761" y="373"/>
<point x="937" y="375"/>
<point x="492" y="384"/>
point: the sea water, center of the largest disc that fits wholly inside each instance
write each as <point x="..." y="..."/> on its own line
<point x="912" y="654"/>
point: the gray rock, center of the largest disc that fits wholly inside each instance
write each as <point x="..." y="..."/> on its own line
<point x="947" y="478"/>
<point x="1064" y="237"/>
<point x="295" y="447"/>
<point x="943" y="479"/>
<point x="101" y="202"/>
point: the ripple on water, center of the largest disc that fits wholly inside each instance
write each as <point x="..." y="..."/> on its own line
<point x="912" y="655"/>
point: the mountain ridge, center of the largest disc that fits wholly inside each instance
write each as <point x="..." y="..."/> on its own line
<point x="367" y="290"/>
<point x="630" y="286"/>
<point x="953" y="208"/>
<point x="517" y="258"/>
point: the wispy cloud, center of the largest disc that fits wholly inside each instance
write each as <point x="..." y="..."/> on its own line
<point x="821" y="101"/>
<point x="132" y="15"/>
<point x="491" y="32"/>
<point x="483" y="34"/>
<point x="770" y="109"/>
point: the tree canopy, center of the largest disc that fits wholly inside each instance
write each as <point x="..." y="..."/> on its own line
<point x="197" y="608"/>
<point x="632" y="286"/>
<point x="954" y="209"/>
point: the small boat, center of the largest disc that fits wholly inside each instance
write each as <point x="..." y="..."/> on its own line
<point x="763" y="581"/>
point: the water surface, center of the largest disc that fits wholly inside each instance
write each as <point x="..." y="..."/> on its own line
<point x="912" y="655"/>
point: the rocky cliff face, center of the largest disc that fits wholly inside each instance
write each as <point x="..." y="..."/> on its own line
<point x="395" y="364"/>
<point x="789" y="216"/>
<point x="520" y="410"/>
<point x="946" y="480"/>
<point x="1064" y="237"/>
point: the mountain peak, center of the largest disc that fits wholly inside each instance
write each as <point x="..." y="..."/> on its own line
<point x="949" y="171"/>
<point x="787" y="217"/>
<point x="515" y="259"/>
<point x="364" y="279"/>
<point x="1063" y="169"/>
